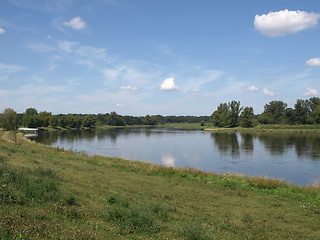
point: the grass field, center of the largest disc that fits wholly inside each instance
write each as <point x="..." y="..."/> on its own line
<point x="52" y="193"/>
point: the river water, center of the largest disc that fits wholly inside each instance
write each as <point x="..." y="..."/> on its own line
<point x="293" y="157"/>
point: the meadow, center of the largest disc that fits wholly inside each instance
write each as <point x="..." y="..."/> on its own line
<point x="54" y="193"/>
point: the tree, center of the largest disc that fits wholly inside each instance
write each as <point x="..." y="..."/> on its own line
<point x="276" y="109"/>
<point x="302" y="110"/>
<point x="116" y="120"/>
<point x="30" y="118"/>
<point x="88" y="121"/>
<point x="219" y="117"/>
<point x="8" y="119"/>
<point x="149" y="120"/>
<point x="233" y="114"/>
<point x="246" y="117"/>
<point x="313" y="103"/>
<point x="227" y="115"/>
<point x="265" y="118"/>
<point x="316" y="115"/>
<point x="290" y="116"/>
<point x="54" y="121"/>
<point x="44" y="119"/>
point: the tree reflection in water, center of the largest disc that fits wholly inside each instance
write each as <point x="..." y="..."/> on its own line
<point x="227" y="143"/>
<point x="306" y="145"/>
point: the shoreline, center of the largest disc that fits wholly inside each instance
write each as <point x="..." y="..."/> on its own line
<point x="55" y="192"/>
<point x="183" y="169"/>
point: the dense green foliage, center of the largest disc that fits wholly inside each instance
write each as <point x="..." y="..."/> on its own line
<point x="8" y="119"/>
<point x="304" y="112"/>
<point x="247" y="117"/>
<point x="31" y="118"/>
<point x="275" y="112"/>
<point x="228" y="115"/>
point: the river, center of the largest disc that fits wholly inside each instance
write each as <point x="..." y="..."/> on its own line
<point x="293" y="157"/>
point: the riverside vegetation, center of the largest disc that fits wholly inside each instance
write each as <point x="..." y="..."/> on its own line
<point x="52" y="193"/>
<point x="227" y="115"/>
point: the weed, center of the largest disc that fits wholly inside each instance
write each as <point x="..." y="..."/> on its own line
<point x="118" y="200"/>
<point x="194" y="232"/>
<point x="247" y="219"/>
<point x="135" y="218"/>
<point x="71" y="201"/>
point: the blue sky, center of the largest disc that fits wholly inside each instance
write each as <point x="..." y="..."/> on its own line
<point x="169" y="57"/>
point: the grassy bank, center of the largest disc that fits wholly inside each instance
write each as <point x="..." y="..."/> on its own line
<point x="211" y="127"/>
<point x="187" y="126"/>
<point x="270" y="128"/>
<point x="51" y="193"/>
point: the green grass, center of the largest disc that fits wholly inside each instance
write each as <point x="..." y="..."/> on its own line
<point x="51" y="193"/>
<point x="281" y="128"/>
<point x="187" y="126"/>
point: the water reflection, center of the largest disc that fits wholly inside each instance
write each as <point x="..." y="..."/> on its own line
<point x="168" y="160"/>
<point x="227" y="143"/>
<point x="277" y="144"/>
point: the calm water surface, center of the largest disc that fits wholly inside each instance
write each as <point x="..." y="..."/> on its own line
<point x="294" y="157"/>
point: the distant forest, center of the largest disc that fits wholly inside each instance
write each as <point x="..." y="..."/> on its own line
<point x="230" y="114"/>
<point x="32" y="118"/>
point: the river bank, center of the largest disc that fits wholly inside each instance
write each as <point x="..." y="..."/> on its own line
<point x="211" y="127"/>
<point x="54" y="193"/>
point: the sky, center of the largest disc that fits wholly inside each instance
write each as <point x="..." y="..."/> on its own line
<point x="168" y="57"/>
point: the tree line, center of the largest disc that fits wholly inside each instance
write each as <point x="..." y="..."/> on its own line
<point x="230" y="114"/>
<point x="275" y="112"/>
<point x="9" y="119"/>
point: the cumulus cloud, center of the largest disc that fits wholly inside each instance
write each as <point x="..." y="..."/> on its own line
<point x="76" y="23"/>
<point x="310" y="92"/>
<point x="252" y="88"/>
<point x="283" y="22"/>
<point x="267" y="92"/>
<point x="313" y="62"/>
<point x="2" y="31"/>
<point x="168" y="85"/>
<point x="128" y="88"/>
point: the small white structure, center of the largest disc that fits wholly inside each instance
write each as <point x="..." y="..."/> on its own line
<point x="29" y="129"/>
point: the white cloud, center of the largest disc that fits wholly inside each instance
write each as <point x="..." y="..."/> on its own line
<point x="310" y="92"/>
<point x="121" y="105"/>
<point x="129" y="88"/>
<point x="11" y="68"/>
<point x="313" y="62"/>
<point x="132" y="73"/>
<point x="252" y="88"/>
<point x="283" y="22"/>
<point x="168" y="84"/>
<point x="76" y="23"/>
<point x="52" y="62"/>
<point x="40" y="47"/>
<point x="85" y="55"/>
<point x="2" y="31"/>
<point x="267" y="92"/>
